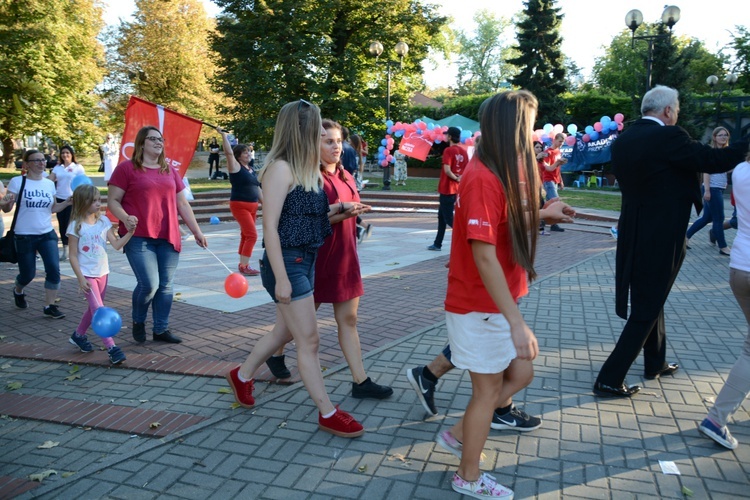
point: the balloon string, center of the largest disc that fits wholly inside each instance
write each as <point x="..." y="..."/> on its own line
<point x="225" y="266"/>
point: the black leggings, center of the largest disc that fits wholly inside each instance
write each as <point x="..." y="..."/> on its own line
<point x="63" y="219"/>
<point x="213" y="159"/>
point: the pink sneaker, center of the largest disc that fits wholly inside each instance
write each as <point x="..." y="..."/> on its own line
<point x="341" y="424"/>
<point x="484" y="487"/>
<point x="247" y="270"/>
<point x="243" y="391"/>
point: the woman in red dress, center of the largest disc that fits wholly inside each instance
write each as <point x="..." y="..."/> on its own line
<point x="337" y="276"/>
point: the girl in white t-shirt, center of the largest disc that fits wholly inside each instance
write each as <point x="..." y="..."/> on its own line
<point x="89" y="232"/>
<point x="62" y="175"/>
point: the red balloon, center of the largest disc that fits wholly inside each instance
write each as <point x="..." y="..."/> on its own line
<point x="235" y="285"/>
<point x="586" y="138"/>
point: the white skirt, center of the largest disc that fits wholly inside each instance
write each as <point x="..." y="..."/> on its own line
<point x="480" y="342"/>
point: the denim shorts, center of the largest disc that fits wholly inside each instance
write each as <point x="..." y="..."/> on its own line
<point x="300" y="269"/>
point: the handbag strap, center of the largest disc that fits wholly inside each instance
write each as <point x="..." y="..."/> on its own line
<point x="18" y="204"/>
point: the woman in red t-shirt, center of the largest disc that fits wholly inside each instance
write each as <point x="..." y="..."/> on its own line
<point x="147" y="194"/>
<point x="492" y="252"/>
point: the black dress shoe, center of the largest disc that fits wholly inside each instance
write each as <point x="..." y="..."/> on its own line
<point x="669" y="370"/>
<point x="607" y="391"/>
<point x="166" y="336"/>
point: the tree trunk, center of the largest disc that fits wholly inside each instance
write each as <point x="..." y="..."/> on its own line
<point x="8" y="152"/>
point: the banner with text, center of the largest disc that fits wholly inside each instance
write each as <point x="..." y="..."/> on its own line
<point x="415" y="145"/>
<point x="180" y="132"/>
<point x="584" y="154"/>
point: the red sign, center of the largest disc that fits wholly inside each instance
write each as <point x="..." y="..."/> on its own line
<point x="415" y="145"/>
<point x="180" y="132"/>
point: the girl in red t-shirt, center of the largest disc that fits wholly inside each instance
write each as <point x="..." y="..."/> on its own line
<point x="492" y="252"/>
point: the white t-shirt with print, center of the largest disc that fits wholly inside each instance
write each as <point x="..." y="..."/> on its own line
<point x="92" y="247"/>
<point x="35" y="216"/>
<point x="65" y="176"/>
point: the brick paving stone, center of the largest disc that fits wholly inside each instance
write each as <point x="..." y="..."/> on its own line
<point x="587" y="448"/>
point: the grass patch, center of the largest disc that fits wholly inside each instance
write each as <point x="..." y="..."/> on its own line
<point x="593" y="199"/>
<point x="597" y="199"/>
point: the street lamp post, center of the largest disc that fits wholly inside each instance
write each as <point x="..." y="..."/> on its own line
<point x="376" y="49"/>
<point x="729" y="80"/>
<point x="634" y="19"/>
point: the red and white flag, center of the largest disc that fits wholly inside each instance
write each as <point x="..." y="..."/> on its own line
<point x="180" y="132"/>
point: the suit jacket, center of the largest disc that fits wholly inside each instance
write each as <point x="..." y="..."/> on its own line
<point x="657" y="169"/>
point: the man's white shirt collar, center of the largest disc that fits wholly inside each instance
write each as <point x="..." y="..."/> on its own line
<point x="654" y="119"/>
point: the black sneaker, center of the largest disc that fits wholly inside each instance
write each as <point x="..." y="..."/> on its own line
<point x="81" y="342"/>
<point x="425" y="389"/>
<point x="116" y="356"/>
<point x="278" y="367"/>
<point x="515" y="419"/>
<point x="369" y="389"/>
<point x="166" y="336"/>
<point x="53" y="312"/>
<point x="556" y="228"/>
<point x="20" y="299"/>
<point x="139" y="332"/>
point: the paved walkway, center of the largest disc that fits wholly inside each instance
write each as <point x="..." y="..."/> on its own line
<point x="587" y="448"/>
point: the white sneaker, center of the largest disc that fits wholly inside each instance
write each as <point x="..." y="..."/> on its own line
<point x="484" y="487"/>
<point x="613" y="232"/>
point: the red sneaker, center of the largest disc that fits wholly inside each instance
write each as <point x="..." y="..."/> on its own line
<point x="341" y="424"/>
<point x="243" y="391"/>
<point x="247" y="270"/>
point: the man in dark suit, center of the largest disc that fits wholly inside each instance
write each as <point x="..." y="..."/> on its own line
<point x="656" y="164"/>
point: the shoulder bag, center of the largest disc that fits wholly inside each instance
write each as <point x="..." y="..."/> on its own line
<point x="8" y="251"/>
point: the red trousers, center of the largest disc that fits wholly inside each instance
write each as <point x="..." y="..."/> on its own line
<point x="244" y="213"/>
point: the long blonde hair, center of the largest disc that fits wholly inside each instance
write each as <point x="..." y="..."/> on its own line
<point x="140" y="140"/>
<point x="296" y="140"/>
<point x="506" y="148"/>
<point x="83" y="197"/>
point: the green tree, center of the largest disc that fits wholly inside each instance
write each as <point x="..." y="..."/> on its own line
<point x="741" y="46"/>
<point x="680" y="61"/>
<point x="482" y="65"/>
<point x="51" y="63"/>
<point x="164" y="56"/>
<point x="540" y="59"/>
<point x="276" y="51"/>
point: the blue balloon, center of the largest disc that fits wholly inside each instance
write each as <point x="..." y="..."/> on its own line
<point x="381" y="148"/>
<point x="399" y="133"/>
<point x="79" y="180"/>
<point x="612" y="126"/>
<point x="572" y="129"/>
<point x="214" y="220"/>
<point x="594" y="135"/>
<point x="465" y="134"/>
<point x="389" y="123"/>
<point x="605" y="119"/>
<point x="430" y="126"/>
<point x="383" y="142"/>
<point x="106" y="322"/>
<point x="589" y="129"/>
